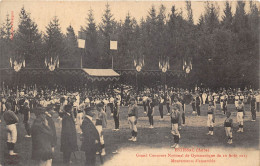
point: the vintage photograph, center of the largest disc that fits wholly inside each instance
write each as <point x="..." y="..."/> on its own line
<point x="125" y="83"/>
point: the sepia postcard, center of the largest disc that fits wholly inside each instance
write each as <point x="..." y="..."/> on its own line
<point x="164" y="83"/>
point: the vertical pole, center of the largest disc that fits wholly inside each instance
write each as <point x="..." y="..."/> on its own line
<point x="81" y="59"/>
<point x="136" y="82"/>
<point x="164" y="82"/>
<point x="112" y="62"/>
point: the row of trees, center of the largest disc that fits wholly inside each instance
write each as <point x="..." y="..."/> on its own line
<point x="224" y="52"/>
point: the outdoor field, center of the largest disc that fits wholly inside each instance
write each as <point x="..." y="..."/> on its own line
<point x="158" y="139"/>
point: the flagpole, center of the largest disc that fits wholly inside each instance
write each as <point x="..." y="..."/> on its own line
<point x="81" y="59"/>
<point x="112" y="62"/>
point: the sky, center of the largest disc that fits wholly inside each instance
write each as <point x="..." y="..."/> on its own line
<point x="75" y="12"/>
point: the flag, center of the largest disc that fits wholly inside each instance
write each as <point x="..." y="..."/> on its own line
<point x="168" y="64"/>
<point x="143" y="60"/>
<point x="81" y="43"/>
<point x="113" y="45"/>
<point x="58" y="63"/>
<point x="45" y="62"/>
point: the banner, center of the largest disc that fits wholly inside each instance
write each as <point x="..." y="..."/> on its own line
<point x="113" y="45"/>
<point x="81" y="43"/>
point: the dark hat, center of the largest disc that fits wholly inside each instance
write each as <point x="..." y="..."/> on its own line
<point x="67" y="108"/>
<point x="40" y="110"/>
<point x="88" y="110"/>
<point x="100" y="105"/>
<point x="132" y="99"/>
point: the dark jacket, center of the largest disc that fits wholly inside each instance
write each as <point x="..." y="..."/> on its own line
<point x="90" y="134"/>
<point x="10" y="117"/>
<point x="41" y="141"/>
<point x="53" y="130"/>
<point x="26" y="111"/>
<point x="68" y="134"/>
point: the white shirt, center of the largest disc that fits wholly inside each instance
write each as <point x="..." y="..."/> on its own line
<point x="257" y="97"/>
<point x="145" y="98"/>
<point x="105" y="101"/>
<point x="111" y="100"/>
<point x="87" y="100"/>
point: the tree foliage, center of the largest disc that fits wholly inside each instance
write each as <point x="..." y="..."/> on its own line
<point x="223" y="46"/>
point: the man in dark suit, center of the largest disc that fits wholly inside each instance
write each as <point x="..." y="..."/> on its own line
<point x="41" y="139"/>
<point x="68" y="135"/>
<point x="91" y="140"/>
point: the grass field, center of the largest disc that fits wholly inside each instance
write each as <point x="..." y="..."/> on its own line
<point x="159" y="138"/>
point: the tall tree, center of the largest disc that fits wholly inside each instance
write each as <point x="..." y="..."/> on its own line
<point x="6" y="43"/>
<point x="127" y="45"/>
<point x="92" y="57"/>
<point x="71" y="58"/>
<point x="151" y="51"/>
<point x="28" y="42"/>
<point x="107" y="28"/>
<point x="161" y="42"/>
<point x="189" y="12"/>
<point x="176" y="32"/>
<point x="240" y="17"/>
<point x="227" y="18"/>
<point x="54" y="40"/>
<point x="211" y="17"/>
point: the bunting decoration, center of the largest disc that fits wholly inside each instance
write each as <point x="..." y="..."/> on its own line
<point x="164" y="64"/>
<point x="17" y="63"/>
<point x="52" y="64"/>
<point x="187" y="66"/>
<point x="139" y="62"/>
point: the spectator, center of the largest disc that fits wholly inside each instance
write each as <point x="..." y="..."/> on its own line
<point x="10" y="119"/>
<point x="68" y="135"/>
<point x="26" y="117"/>
<point x="42" y="139"/>
<point x="90" y="138"/>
